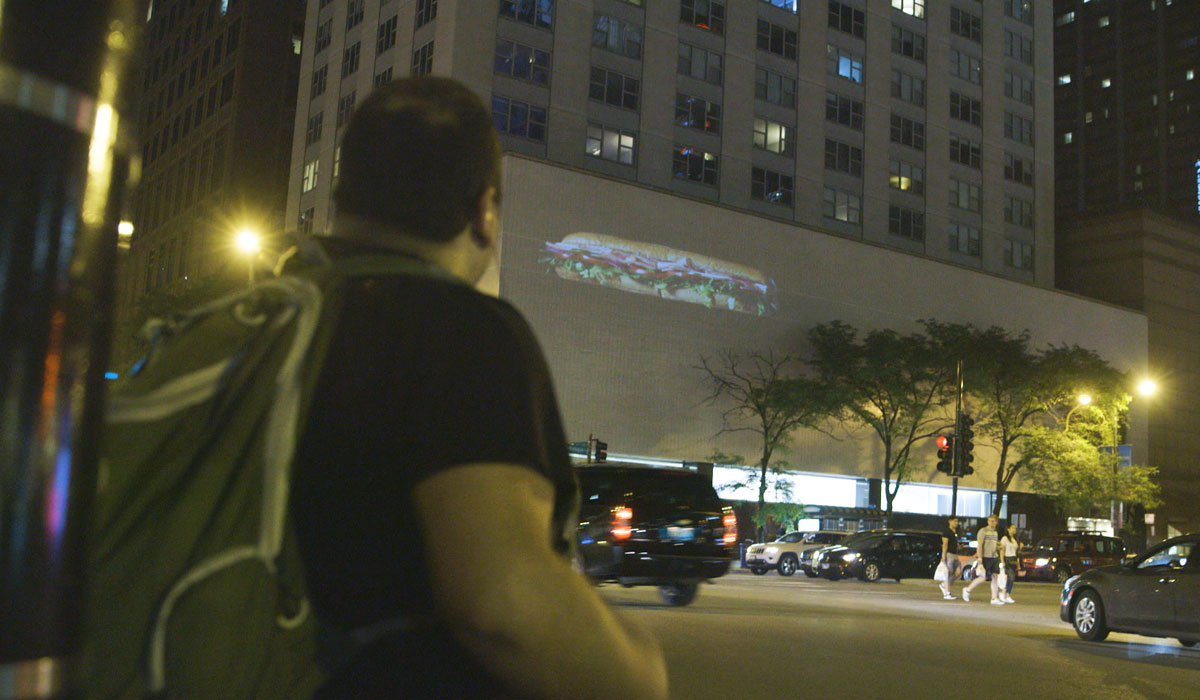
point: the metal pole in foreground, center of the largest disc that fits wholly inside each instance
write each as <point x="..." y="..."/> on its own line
<point x="62" y="176"/>
<point x="954" y="460"/>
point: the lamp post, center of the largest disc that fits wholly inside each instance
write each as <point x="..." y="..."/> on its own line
<point x="249" y="243"/>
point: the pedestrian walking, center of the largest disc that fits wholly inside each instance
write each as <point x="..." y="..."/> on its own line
<point x="988" y="556"/>
<point x="950" y="556"/>
<point x="1010" y="550"/>
<point x="436" y="408"/>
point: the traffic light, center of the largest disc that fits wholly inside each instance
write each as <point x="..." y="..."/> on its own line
<point x="601" y="451"/>
<point x="945" y="454"/>
<point x="966" y="445"/>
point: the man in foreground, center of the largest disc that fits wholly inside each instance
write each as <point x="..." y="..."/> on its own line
<point x="950" y="556"/>
<point x="989" y="558"/>
<point x="434" y="412"/>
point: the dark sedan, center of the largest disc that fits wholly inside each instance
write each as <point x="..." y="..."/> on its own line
<point x="1156" y="594"/>
<point x="880" y="554"/>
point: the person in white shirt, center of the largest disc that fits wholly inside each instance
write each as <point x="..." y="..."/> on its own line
<point x="989" y="558"/>
<point x="1010" y="548"/>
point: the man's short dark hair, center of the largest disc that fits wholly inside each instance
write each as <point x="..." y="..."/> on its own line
<point x="418" y="154"/>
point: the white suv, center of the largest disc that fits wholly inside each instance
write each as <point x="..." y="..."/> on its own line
<point x="784" y="553"/>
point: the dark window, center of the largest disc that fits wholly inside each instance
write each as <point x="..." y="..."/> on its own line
<point x="706" y="14"/>
<point x="519" y="119"/>
<point x="1018" y="211"/>
<point x="385" y="38"/>
<point x="617" y="36"/>
<point x="964" y="239"/>
<point x="775" y="88"/>
<point x="965" y="151"/>
<point x="906" y="223"/>
<point x="965" y="66"/>
<point x="965" y="109"/>
<point x="1022" y="10"/>
<point x="318" y="80"/>
<point x="422" y="60"/>
<point x="700" y="64"/>
<point x="697" y="113"/>
<point x="384" y="77"/>
<point x="354" y="13"/>
<point x="231" y="39"/>
<point x="345" y="108"/>
<point x="908" y="88"/>
<point x="313" y="133"/>
<point x="350" y="59"/>
<point x="1018" y="128"/>
<point x="908" y="43"/>
<point x="842" y="206"/>
<point x="770" y="186"/>
<point x="539" y="13"/>
<point x="614" y="88"/>
<point x="844" y="110"/>
<point x="1018" y="88"/>
<point x="227" y="88"/>
<point x="908" y="132"/>
<point x="964" y="24"/>
<point x="776" y="39"/>
<point x="1018" y="169"/>
<point x="427" y="12"/>
<point x="847" y="19"/>
<point x="843" y="157"/>
<point x="1018" y="47"/>
<point x="521" y="61"/>
<point x="694" y="164"/>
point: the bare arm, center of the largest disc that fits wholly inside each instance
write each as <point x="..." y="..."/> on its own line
<point x="514" y="603"/>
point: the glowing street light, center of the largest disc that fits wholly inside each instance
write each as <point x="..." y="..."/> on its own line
<point x="250" y="244"/>
<point x="1147" y="387"/>
<point x="1085" y="399"/>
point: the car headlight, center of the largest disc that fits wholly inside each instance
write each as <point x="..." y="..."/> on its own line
<point x="1040" y="562"/>
<point x="849" y="556"/>
<point x="772" y="550"/>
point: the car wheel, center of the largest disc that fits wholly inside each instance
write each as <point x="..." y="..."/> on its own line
<point x="1087" y="616"/>
<point x="788" y="565"/>
<point x="871" y="572"/>
<point x="1188" y="642"/>
<point x="757" y="570"/>
<point x="1061" y="574"/>
<point x="678" y="594"/>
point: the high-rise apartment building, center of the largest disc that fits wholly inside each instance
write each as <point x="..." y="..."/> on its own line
<point x="1127" y="143"/>
<point x="216" y="94"/>
<point x="925" y="127"/>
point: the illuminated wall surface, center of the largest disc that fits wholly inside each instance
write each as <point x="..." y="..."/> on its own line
<point x="623" y="357"/>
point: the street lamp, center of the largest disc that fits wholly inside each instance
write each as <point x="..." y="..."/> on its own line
<point x="249" y="243"/>
<point x="1147" y="387"/>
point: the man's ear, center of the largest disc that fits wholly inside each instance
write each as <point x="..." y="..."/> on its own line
<point x="486" y="229"/>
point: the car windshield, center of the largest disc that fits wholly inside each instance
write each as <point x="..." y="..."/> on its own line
<point x="610" y="485"/>
<point x="868" y="542"/>
<point x="1175" y="555"/>
<point x="858" y="537"/>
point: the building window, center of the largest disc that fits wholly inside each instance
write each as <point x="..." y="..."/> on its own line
<point x="916" y="8"/>
<point x="906" y="223"/>
<point x="617" y="36"/>
<point x="1018" y="47"/>
<point x="773" y="136"/>
<point x="1064" y="79"/>
<point x="839" y="61"/>
<point x="226" y="90"/>
<point x="770" y="186"/>
<point x="844" y="110"/>
<point x="1018" y="211"/>
<point x="1064" y="19"/>
<point x="385" y="38"/>
<point x="964" y="24"/>
<point x="791" y="5"/>
<point x="908" y="88"/>
<point x="964" y="151"/>
<point x="965" y="195"/>
<point x="1103" y="21"/>
<point x="908" y="132"/>
<point x="907" y="177"/>
<point x="422" y="60"/>
<point x="964" y="239"/>
<point x="539" y="13"/>
<point x="1068" y="137"/>
<point x="700" y="64"/>
<point x="610" y="143"/>
<point x="1018" y="169"/>
<point x="345" y="108"/>
<point x="337" y="161"/>
<point x="965" y="66"/>
<point x="427" y="12"/>
<point x="1106" y="82"/>
<point x="775" y="39"/>
<point x="309" y="179"/>
<point x="518" y="118"/>
<point x="908" y="43"/>
<point x="706" y="14"/>
<point x="305" y="224"/>
<point x="1018" y="128"/>
<point x="383" y="77"/>
<point x="847" y="19"/>
<point x="697" y="113"/>
<point x="318" y="81"/>
<point x="610" y="87"/>
<point x="965" y="109"/>
<point x="354" y="13"/>
<point x="843" y="157"/>
<point x="312" y="133"/>
<point x="1019" y="88"/>
<point x="842" y="206"/>
<point x="350" y="59"/>
<point x="323" y="39"/>
<point x="1018" y="254"/>
<point x="775" y="88"/>
<point x="1020" y="10"/>
<point x="695" y="164"/>
<point x="521" y="61"/>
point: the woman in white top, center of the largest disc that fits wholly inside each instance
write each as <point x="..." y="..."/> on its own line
<point x="1010" y="547"/>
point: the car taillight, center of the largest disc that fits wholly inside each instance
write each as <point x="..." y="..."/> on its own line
<point x="729" y="520"/>
<point x="622" y="527"/>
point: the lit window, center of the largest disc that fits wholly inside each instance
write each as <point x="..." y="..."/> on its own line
<point x="916" y="8"/>
<point x="1068" y="137"/>
<point x="610" y="143"/>
<point x="1190" y="74"/>
<point x="842" y="206"/>
<point x="1105" y="82"/>
<point x="309" y="181"/>
<point x="696" y="165"/>
<point x="1103" y="21"/>
<point x="1064" y="79"/>
<point x="1065" y="18"/>
<point x="773" y="136"/>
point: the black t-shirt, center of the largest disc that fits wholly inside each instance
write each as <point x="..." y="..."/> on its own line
<point x="952" y="545"/>
<point x="422" y="374"/>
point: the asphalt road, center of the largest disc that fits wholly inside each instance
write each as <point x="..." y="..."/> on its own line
<point x="772" y="638"/>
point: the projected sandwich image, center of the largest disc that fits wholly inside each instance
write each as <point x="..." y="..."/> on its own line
<point x="668" y="273"/>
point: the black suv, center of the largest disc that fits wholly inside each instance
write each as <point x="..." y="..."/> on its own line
<point x="876" y="554"/>
<point x="653" y="526"/>
<point x="1061" y="556"/>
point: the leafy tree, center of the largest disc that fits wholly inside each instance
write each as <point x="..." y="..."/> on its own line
<point x="782" y="508"/>
<point x="1066" y="465"/>
<point x="766" y="398"/>
<point x="896" y="385"/>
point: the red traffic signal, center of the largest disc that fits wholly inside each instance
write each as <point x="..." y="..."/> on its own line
<point x="943" y="442"/>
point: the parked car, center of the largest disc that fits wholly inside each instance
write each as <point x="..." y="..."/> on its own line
<point x="653" y="526"/>
<point x="1156" y="594"/>
<point x="1061" y="556"/>
<point x="784" y="554"/>
<point x="877" y="554"/>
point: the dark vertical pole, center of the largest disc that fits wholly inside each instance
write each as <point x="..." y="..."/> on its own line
<point x="956" y="467"/>
<point x="63" y="167"/>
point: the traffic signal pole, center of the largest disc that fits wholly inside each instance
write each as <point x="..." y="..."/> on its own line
<point x="957" y="423"/>
<point x="63" y="169"/>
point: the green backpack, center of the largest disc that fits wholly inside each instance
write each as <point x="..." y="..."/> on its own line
<point x="195" y="587"/>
